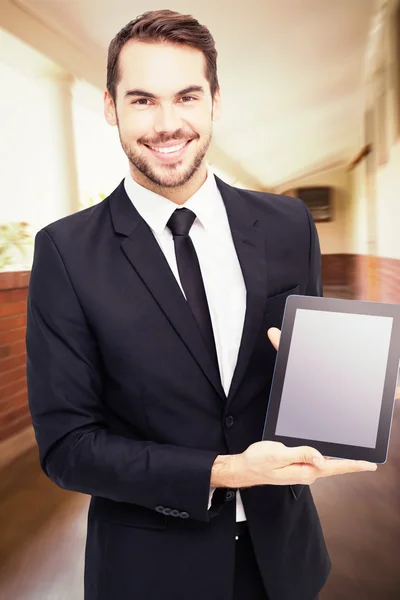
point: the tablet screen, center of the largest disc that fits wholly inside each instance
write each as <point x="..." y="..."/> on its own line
<point x="338" y="361"/>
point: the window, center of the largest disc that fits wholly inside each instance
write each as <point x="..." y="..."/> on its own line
<point x="319" y="202"/>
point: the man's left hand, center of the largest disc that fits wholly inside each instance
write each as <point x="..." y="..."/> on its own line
<point x="274" y="335"/>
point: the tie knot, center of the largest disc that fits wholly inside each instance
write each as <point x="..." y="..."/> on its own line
<point x="181" y="221"/>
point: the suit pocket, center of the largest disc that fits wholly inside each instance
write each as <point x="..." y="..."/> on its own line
<point x="130" y="515"/>
<point x="277" y="303"/>
<point x="275" y="308"/>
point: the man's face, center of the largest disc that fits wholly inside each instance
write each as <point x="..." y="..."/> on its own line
<point x="164" y="111"/>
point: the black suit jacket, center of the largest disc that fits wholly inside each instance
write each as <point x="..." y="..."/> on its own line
<point x="128" y="407"/>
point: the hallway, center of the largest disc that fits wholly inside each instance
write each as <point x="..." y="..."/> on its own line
<point x="322" y="125"/>
<point x="43" y="532"/>
<point x="43" y="529"/>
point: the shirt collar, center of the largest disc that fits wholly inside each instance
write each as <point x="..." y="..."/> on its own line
<point x="156" y="210"/>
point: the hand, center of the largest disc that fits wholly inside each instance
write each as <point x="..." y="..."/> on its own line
<point x="274" y="335"/>
<point x="302" y="467"/>
<point x="273" y="463"/>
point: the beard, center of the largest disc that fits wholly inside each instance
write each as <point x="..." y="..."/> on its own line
<point x="166" y="176"/>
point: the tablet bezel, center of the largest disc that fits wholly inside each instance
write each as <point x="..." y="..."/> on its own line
<point x="379" y="453"/>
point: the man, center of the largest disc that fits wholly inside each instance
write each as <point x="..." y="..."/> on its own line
<point x="149" y="365"/>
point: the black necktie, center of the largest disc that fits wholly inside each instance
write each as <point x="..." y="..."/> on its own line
<point x="190" y="274"/>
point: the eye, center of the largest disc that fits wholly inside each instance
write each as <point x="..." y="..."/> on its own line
<point x="188" y="99"/>
<point x="141" y="101"/>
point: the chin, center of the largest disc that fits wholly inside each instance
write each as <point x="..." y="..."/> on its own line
<point x="173" y="171"/>
<point x="172" y="181"/>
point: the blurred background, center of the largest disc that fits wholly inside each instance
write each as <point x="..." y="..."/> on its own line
<point x="311" y="108"/>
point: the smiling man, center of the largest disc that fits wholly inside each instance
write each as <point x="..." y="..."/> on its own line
<point x="149" y="364"/>
<point x="159" y="96"/>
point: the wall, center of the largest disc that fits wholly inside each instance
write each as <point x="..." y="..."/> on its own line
<point x="388" y="205"/>
<point x="334" y="235"/>
<point x="375" y="216"/>
<point x="385" y="233"/>
<point x="14" y="412"/>
<point x="379" y="274"/>
<point x="357" y="224"/>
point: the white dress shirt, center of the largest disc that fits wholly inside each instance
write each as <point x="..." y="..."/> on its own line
<point x="222" y="276"/>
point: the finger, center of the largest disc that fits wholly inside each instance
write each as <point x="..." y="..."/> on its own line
<point x="306" y="473"/>
<point x="274" y="335"/>
<point x="303" y="473"/>
<point x="340" y="467"/>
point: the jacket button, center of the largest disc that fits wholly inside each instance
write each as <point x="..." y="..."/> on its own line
<point x="184" y="515"/>
<point x="175" y="513"/>
<point x="229" y="495"/>
<point x="229" y="421"/>
<point x="167" y="511"/>
<point x="160" y="509"/>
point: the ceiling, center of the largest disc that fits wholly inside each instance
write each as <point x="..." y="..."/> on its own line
<point x="290" y="73"/>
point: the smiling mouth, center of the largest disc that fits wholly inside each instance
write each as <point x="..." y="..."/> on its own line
<point x="166" y="150"/>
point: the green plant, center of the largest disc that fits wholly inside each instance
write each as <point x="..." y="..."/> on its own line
<point x="14" y="239"/>
<point x="93" y="200"/>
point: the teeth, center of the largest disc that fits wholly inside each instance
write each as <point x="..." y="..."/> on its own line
<point x="168" y="150"/>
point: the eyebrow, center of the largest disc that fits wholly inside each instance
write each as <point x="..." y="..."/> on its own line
<point x="143" y="94"/>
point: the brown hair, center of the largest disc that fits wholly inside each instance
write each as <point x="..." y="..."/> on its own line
<point x="163" y="26"/>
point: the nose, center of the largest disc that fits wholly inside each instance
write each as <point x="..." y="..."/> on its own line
<point x="167" y="120"/>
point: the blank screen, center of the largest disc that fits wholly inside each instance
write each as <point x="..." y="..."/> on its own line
<point x="334" y="378"/>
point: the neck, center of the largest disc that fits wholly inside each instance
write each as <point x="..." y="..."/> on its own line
<point x="178" y="195"/>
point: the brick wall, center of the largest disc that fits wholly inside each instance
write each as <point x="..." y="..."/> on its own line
<point x="372" y="278"/>
<point x="389" y="278"/>
<point x="14" y="413"/>
<point x="336" y="269"/>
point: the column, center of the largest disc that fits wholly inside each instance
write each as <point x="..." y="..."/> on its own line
<point x="57" y="147"/>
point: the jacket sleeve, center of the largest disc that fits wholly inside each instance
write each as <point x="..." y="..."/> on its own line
<point x="314" y="283"/>
<point x="76" y="449"/>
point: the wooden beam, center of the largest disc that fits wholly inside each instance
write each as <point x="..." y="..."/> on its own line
<point x="358" y="158"/>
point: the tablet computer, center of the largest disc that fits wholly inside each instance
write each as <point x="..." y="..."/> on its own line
<point x="334" y="381"/>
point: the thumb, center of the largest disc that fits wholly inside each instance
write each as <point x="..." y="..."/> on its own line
<point x="274" y="335"/>
<point x="306" y="454"/>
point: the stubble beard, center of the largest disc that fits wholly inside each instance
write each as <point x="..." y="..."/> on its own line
<point x="166" y="176"/>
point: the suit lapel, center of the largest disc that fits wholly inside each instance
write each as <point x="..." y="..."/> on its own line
<point x="146" y="257"/>
<point x="249" y="243"/>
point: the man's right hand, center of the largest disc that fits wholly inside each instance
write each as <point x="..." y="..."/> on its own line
<point x="273" y="463"/>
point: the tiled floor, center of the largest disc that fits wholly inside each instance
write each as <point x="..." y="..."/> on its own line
<point x="42" y="530"/>
<point x="360" y="515"/>
<point x="42" y="535"/>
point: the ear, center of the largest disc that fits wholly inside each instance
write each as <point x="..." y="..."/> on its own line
<point x="109" y="109"/>
<point x="216" y="106"/>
